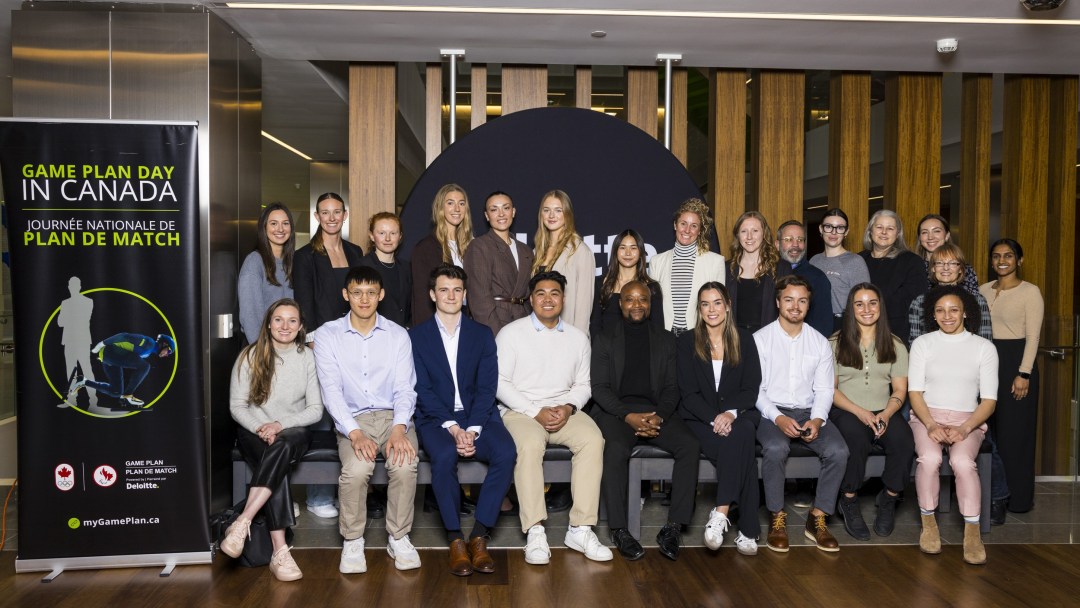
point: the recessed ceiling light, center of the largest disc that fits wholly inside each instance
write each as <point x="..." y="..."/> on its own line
<point x="598" y="34"/>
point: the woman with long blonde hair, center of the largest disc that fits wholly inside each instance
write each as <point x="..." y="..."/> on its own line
<point x="560" y="248"/>
<point x="273" y="396"/>
<point x="751" y="271"/>
<point x="451" y="235"/>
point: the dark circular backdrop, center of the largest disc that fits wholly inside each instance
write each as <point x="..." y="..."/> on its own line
<point x="617" y="177"/>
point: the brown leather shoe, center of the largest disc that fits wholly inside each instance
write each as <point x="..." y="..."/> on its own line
<point x="818" y="531"/>
<point x="460" y="565"/>
<point x="481" y="559"/>
<point x="777" y="539"/>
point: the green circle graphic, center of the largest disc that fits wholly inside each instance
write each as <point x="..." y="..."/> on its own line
<point x="41" y="356"/>
<point x="74" y="523"/>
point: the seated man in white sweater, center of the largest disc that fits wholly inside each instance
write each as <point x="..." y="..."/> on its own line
<point x="543" y="382"/>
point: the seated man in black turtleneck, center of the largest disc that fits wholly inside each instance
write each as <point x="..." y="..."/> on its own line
<point x="634" y="387"/>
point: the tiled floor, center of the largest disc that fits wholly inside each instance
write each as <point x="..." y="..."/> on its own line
<point x="1055" y="519"/>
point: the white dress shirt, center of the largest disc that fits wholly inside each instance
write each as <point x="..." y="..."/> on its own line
<point x="796" y="373"/>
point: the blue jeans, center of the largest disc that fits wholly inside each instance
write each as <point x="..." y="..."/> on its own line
<point x="319" y="495"/>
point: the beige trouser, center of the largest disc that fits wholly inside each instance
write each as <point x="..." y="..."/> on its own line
<point x="355" y="473"/>
<point x="582" y="436"/>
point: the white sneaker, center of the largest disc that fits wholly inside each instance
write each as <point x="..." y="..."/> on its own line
<point x="537" y="551"/>
<point x="583" y="539"/>
<point x="324" y="511"/>
<point x="296" y="509"/>
<point x="715" y="529"/>
<point x="352" y="557"/>
<point x="403" y="552"/>
<point x="235" y="537"/>
<point x="745" y="544"/>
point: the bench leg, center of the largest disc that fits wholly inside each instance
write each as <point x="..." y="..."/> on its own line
<point x="984" y="481"/>
<point x="633" y="498"/>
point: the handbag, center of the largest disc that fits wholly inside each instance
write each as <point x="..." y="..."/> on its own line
<point x="259" y="548"/>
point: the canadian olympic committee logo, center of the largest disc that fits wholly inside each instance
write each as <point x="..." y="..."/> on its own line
<point x="64" y="476"/>
<point x="104" y="476"/>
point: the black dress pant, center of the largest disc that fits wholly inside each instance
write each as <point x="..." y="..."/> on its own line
<point x="1013" y="426"/>
<point x="736" y="467"/>
<point x="897" y="440"/>
<point x="270" y="465"/>
<point x="619" y="441"/>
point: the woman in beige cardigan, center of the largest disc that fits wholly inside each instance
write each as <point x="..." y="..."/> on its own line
<point x="683" y="270"/>
<point x="559" y="247"/>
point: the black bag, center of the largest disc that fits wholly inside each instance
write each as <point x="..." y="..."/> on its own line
<point x="259" y="548"/>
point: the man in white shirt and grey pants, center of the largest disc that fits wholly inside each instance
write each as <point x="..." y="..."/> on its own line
<point x="797" y="384"/>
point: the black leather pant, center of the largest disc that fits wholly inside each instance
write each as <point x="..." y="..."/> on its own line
<point x="270" y="465"/>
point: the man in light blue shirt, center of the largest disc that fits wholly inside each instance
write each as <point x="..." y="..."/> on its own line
<point x="365" y="367"/>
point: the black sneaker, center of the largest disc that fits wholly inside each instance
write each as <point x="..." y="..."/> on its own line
<point x="853" y="520"/>
<point x="886" y="513"/>
<point x="627" y="545"/>
<point x="998" y="509"/>
<point x="668" y="540"/>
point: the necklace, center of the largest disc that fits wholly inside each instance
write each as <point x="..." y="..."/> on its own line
<point x="385" y="265"/>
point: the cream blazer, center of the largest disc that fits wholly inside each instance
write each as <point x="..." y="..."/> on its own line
<point x="708" y="266"/>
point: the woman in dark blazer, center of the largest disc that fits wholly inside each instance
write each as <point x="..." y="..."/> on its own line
<point x="451" y="235"/>
<point x="386" y="233"/>
<point x="319" y="268"/>
<point x="719" y="377"/>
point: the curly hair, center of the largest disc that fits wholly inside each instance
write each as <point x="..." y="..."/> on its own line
<point x="972" y="315"/>
<point x="699" y="208"/>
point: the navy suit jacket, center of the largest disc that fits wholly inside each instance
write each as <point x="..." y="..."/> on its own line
<point x="477" y="374"/>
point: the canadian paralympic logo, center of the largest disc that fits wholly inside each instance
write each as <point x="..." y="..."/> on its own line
<point x="64" y="476"/>
<point x="104" y="476"/>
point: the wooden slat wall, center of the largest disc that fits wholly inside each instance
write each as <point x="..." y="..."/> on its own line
<point x="973" y="226"/>
<point x="849" y="150"/>
<point x="1057" y="380"/>
<point x="727" y="149"/>
<point x="642" y="98"/>
<point x="523" y="88"/>
<point x="1026" y="131"/>
<point x="777" y="145"/>
<point x="912" y="146"/>
<point x="583" y="87"/>
<point x="679" y="79"/>
<point x="433" y="113"/>
<point x="478" y="94"/>
<point x="372" y="142"/>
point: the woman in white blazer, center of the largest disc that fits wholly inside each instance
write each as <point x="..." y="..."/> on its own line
<point x="683" y="270"/>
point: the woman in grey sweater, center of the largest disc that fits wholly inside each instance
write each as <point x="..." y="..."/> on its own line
<point x="273" y="396"/>
<point x="266" y="274"/>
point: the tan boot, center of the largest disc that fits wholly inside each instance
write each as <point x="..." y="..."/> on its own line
<point x="930" y="539"/>
<point x="974" y="551"/>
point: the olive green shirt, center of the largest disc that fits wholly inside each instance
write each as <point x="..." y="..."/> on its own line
<point x="869" y="387"/>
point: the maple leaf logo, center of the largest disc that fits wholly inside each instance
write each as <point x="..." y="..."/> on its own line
<point x="64" y="472"/>
<point x="107" y="475"/>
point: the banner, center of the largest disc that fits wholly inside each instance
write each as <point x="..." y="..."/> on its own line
<point x="103" y="221"/>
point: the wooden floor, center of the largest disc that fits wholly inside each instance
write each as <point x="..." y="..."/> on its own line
<point x="1016" y="575"/>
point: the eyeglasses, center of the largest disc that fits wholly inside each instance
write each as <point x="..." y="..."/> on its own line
<point x="949" y="264"/>
<point x="835" y="228"/>
<point x="787" y="240"/>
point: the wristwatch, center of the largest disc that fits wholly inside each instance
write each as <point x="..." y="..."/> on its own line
<point x="1024" y="375"/>
<point x="573" y="408"/>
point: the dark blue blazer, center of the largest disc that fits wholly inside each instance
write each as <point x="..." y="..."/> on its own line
<point x="477" y="373"/>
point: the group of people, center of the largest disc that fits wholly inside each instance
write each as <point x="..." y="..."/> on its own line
<point x="484" y="349"/>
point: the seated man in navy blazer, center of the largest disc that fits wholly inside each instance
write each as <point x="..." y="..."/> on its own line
<point x="457" y="374"/>
<point x="636" y="393"/>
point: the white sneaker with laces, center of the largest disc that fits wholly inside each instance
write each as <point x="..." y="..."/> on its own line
<point x="352" y="557"/>
<point x="583" y="539"/>
<point x="235" y="537"/>
<point x="715" y="529"/>
<point x="327" y="511"/>
<point x="745" y="544"/>
<point x="537" y="551"/>
<point x="403" y="552"/>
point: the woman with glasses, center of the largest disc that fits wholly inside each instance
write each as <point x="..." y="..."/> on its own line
<point x="1016" y="308"/>
<point x="898" y="273"/>
<point x="844" y="268"/>
<point x="947" y="266"/>
<point x="934" y="232"/>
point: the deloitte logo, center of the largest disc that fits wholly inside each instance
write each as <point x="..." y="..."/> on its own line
<point x="74" y="523"/>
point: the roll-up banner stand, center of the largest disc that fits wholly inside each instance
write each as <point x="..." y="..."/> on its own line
<point x="104" y="237"/>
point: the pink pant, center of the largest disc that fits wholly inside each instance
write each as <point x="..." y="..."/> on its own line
<point x="961" y="458"/>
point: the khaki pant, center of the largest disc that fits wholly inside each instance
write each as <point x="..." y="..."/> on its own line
<point x="582" y="436"/>
<point x="355" y="473"/>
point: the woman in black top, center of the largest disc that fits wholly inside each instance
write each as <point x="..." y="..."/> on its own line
<point x="719" y="377"/>
<point x="897" y="272"/>
<point x="751" y="272"/>
<point x="319" y="268"/>
<point x="386" y="233"/>
<point x="627" y="264"/>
